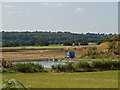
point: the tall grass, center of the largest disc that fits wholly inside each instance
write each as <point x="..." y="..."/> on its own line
<point x="83" y="66"/>
<point x="28" y="67"/>
<point x="68" y="67"/>
<point x="106" y="65"/>
<point x="25" y="68"/>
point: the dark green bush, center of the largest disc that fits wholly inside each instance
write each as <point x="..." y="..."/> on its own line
<point x="106" y="65"/>
<point x="55" y="60"/>
<point x="6" y="64"/>
<point x="56" y="68"/>
<point x="68" y="67"/>
<point x="28" y="67"/>
<point x="67" y="43"/>
<point x="84" y="66"/>
<point x="38" y="68"/>
<point x="115" y="65"/>
<point x="84" y="42"/>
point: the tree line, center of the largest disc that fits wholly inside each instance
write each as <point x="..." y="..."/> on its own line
<point x="39" y="42"/>
<point x="47" y="38"/>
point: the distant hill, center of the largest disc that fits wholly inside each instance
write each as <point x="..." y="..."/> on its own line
<point x="52" y="37"/>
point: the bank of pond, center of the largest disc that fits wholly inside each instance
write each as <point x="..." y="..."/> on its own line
<point x="79" y="66"/>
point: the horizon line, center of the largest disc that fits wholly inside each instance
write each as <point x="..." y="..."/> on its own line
<point x="59" y="31"/>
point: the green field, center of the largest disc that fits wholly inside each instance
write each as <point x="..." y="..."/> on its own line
<point x="106" y="79"/>
<point x="36" y="47"/>
<point x="44" y="47"/>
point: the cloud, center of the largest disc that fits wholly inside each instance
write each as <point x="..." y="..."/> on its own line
<point x="15" y="13"/>
<point x="28" y="10"/>
<point x="8" y="6"/>
<point x="78" y="10"/>
<point x="53" y="5"/>
<point x="60" y="5"/>
<point x="45" y="4"/>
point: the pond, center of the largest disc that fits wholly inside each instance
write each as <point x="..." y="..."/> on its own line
<point x="48" y="63"/>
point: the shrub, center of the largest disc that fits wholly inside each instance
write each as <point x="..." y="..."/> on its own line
<point x="68" y="67"/>
<point x="38" y="68"/>
<point x="115" y="65"/>
<point x="84" y="43"/>
<point x="67" y="43"/>
<point x="106" y="65"/>
<point x="92" y="57"/>
<point x="55" y="60"/>
<point x="56" y="68"/>
<point x="84" y="66"/>
<point x="23" y="67"/>
<point x="28" y="67"/>
<point x="6" y="64"/>
<point x="76" y="43"/>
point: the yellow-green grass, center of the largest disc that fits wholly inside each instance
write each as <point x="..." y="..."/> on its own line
<point x="37" y="47"/>
<point x="44" y="47"/>
<point x="89" y="44"/>
<point x="106" y="79"/>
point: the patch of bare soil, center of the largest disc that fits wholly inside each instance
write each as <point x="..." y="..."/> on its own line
<point x="40" y="54"/>
<point x="103" y="46"/>
<point x="10" y="50"/>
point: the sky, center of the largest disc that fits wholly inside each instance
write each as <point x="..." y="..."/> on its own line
<point x="76" y="17"/>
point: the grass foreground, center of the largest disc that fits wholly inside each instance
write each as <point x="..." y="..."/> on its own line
<point x="106" y="79"/>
